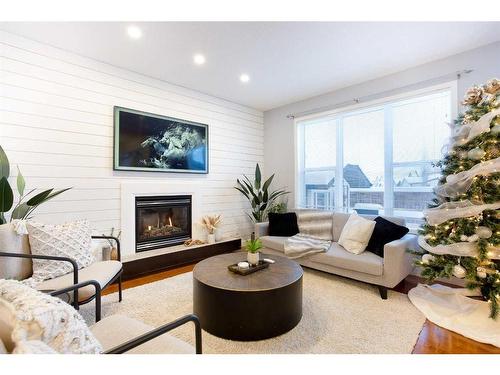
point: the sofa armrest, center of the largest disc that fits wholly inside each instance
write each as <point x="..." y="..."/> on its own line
<point x="398" y="263"/>
<point x="261" y="229"/>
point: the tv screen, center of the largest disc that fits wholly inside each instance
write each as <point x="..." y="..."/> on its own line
<point x="148" y="142"/>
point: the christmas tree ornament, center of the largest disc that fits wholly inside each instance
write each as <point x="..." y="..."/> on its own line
<point x="481" y="272"/>
<point x="462" y="154"/>
<point x="476" y="153"/>
<point x="473" y="238"/>
<point x="459" y="271"/>
<point x="426" y="258"/>
<point x="492" y="86"/>
<point x="464" y="238"/>
<point x="484" y="232"/>
<point x="473" y="95"/>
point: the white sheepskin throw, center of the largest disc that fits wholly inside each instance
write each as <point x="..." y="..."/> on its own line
<point x="35" y="316"/>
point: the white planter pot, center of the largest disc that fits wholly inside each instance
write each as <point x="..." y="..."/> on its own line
<point x="210" y="238"/>
<point x="218" y="234"/>
<point x="253" y="258"/>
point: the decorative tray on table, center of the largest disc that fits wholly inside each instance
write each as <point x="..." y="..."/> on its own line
<point x="247" y="271"/>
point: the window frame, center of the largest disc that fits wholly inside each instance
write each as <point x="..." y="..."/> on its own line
<point x="338" y="113"/>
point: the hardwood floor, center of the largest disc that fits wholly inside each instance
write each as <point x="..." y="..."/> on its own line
<point x="436" y="340"/>
<point x="432" y="339"/>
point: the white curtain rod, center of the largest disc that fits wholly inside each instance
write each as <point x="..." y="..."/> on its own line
<point x="367" y="98"/>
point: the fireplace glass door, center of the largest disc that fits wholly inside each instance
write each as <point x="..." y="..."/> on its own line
<point x="162" y="221"/>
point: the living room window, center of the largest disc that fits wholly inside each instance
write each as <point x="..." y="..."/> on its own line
<point x="383" y="154"/>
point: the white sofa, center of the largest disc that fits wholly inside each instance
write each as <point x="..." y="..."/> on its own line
<point x="368" y="267"/>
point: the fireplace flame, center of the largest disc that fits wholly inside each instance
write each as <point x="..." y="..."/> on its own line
<point x="170" y="221"/>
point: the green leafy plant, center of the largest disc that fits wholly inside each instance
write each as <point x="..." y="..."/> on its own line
<point x="279" y="208"/>
<point x="261" y="199"/>
<point x="24" y="207"/>
<point x="253" y="246"/>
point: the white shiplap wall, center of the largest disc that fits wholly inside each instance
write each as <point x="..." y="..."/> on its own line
<point x="56" y="123"/>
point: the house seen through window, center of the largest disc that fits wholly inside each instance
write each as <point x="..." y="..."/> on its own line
<point x="383" y="155"/>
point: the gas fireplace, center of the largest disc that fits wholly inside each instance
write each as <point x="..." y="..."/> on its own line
<point x="162" y="221"/>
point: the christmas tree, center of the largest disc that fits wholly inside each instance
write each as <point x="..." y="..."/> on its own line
<point x="461" y="236"/>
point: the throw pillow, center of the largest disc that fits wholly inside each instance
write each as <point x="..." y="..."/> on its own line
<point x="316" y="224"/>
<point x="385" y="231"/>
<point x="71" y="240"/>
<point x="283" y="224"/>
<point x="356" y="234"/>
<point x="35" y="316"/>
<point x="33" y="347"/>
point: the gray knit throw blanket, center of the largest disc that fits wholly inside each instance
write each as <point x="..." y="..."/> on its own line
<point x="302" y="244"/>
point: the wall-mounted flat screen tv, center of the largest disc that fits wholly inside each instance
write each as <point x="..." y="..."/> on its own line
<point x="153" y="143"/>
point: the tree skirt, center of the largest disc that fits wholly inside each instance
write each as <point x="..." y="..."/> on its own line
<point x="450" y="309"/>
<point x="339" y="316"/>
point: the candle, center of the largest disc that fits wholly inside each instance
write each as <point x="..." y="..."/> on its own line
<point x="243" y="265"/>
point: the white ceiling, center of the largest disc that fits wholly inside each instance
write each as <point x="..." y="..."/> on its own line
<point x="286" y="61"/>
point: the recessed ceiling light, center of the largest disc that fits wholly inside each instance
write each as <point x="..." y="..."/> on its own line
<point x="199" y="59"/>
<point x="134" y="32"/>
<point x="244" y="78"/>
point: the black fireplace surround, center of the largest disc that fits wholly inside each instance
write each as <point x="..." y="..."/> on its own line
<point x="162" y="221"/>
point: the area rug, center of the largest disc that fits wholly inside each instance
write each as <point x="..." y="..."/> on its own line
<point x="339" y="316"/>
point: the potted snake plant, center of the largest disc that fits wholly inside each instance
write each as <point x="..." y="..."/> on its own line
<point x="253" y="246"/>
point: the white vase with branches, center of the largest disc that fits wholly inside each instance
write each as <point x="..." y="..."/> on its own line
<point x="211" y="224"/>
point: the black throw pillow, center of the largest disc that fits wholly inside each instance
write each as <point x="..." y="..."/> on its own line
<point x="283" y="224"/>
<point x="384" y="232"/>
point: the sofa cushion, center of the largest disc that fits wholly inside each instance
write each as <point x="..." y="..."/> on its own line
<point x="283" y="224"/>
<point x="337" y="256"/>
<point x="102" y="272"/>
<point x="385" y="231"/>
<point x="274" y="242"/>
<point x="340" y="218"/>
<point x="118" y="329"/>
<point x="356" y="233"/>
<point x="316" y="224"/>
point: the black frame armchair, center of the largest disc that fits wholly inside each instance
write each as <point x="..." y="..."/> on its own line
<point x="139" y="340"/>
<point x="76" y="302"/>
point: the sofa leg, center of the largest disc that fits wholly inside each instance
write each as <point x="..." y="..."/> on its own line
<point x="383" y="291"/>
<point x="120" y="289"/>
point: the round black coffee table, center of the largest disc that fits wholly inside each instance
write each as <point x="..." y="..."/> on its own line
<point x="258" y="306"/>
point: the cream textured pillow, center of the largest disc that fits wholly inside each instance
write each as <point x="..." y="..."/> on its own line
<point x="36" y="316"/>
<point x="356" y="234"/>
<point x="71" y="240"/>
